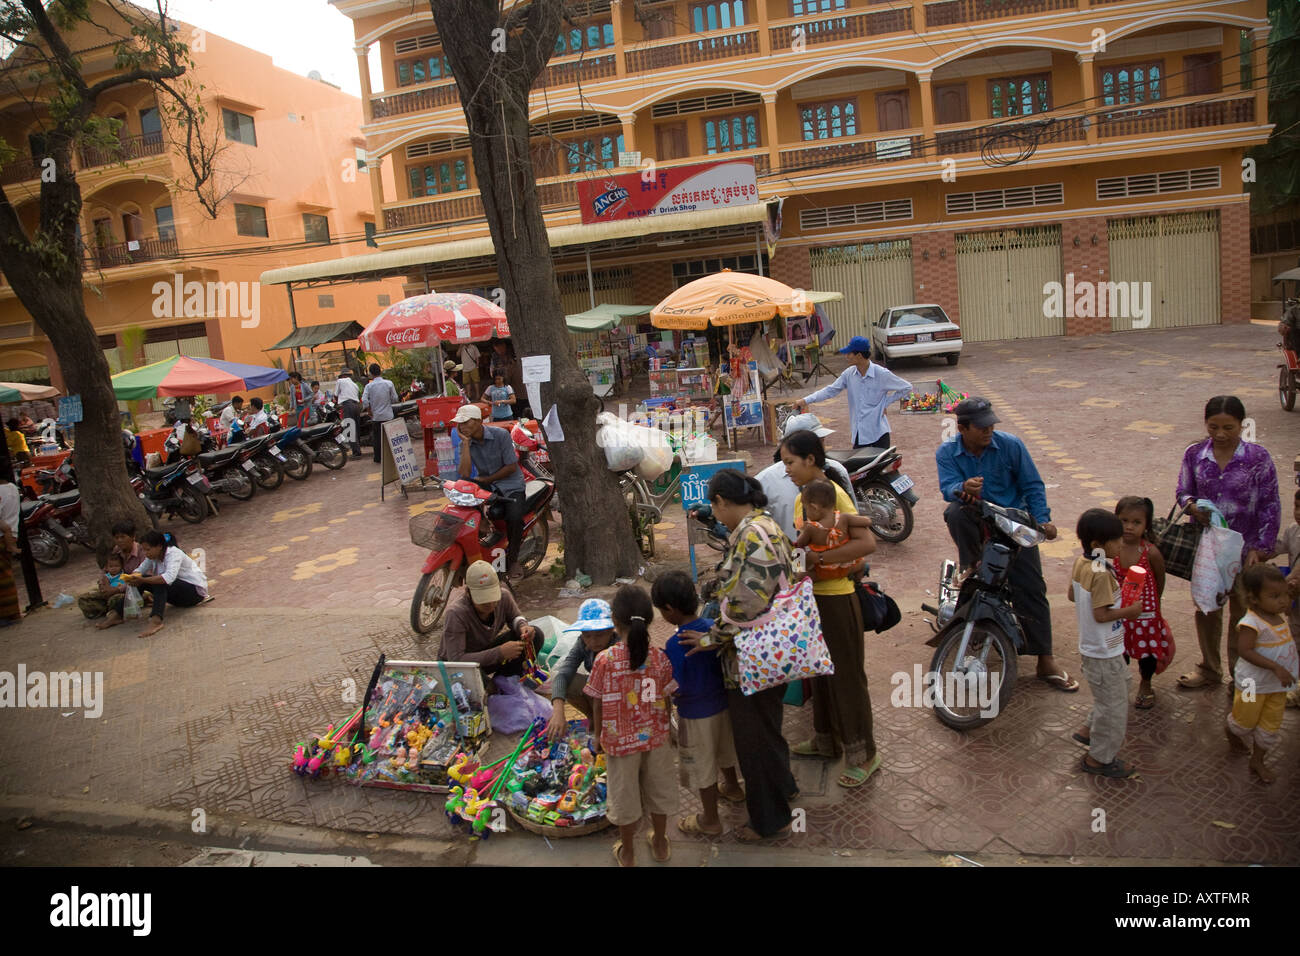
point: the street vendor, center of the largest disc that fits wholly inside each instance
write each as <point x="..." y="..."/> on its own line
<point x="492" y="452"/>
<point x="484" y="625"/>
<point x="596" y="625"/>
<point x="871" y="388"/>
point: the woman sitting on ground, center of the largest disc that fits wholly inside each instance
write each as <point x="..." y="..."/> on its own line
<point x="169" y="575"/>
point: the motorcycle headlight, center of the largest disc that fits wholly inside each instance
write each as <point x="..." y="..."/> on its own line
<point x="462" y="498"/>
<point x="1021" y="534"/>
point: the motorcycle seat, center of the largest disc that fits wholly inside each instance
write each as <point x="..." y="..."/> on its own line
<point x="211" y="458"/>
<point x="27" y="508"/>
<point x="402" y="409"/>
<point x="534" y="492"/>
<point x="316" y="431"/>
<point x="64" y="499"/>
<point x="860" y="458"/>
<point x="156" y="474"/>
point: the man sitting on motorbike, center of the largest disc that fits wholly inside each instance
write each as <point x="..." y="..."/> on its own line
<point x="1289" y="327"/>
<point x="978" y="463"/>
<point x="492" y="452"/>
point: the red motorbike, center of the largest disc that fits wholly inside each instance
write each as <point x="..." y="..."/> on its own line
<point x="47" y="545"/>
<point x="469" y="530"/>
<point x="530" y="445"/>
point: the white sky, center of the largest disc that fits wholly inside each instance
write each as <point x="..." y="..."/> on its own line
<point x="299" y="35"/>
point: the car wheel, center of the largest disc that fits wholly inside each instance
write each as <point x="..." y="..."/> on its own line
<point x="953" y="357"/>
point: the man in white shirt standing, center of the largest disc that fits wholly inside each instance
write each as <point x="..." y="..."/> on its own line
<point x="349" y="399"/>
<point x="871" y="388"/>
<point x="469" y="364"/>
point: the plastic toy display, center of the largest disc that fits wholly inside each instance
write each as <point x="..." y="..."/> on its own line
<point x="559" y="789"/>
<point x="945" y="399"/>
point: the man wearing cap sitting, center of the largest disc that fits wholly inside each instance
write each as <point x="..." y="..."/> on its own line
<point x="484" y="626"/>
<point x="781" y="490"/>
<point x="492" y="452"/>
<point x="871" y="389"/>
<point x="978" y="462"/>
<point x="595" y="624"/>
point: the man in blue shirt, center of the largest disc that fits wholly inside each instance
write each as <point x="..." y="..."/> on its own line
<point x="871" y="389"/>
<point x="379" y="396"/>
<point x="978" y="462"/>
<point x="492" y="452"/>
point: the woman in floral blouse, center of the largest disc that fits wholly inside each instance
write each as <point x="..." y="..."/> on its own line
<point x="758" y="563"/>
<point x="1238" y="477"/>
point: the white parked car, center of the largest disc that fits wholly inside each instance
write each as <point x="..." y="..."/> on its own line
<point x="907" y="331"/>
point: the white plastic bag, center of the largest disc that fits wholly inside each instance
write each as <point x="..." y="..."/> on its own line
<point x="1215" y="567"/>
<point x="655" y="461"/>
<point x="134" y="603"/>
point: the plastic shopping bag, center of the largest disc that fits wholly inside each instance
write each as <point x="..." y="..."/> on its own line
<point x="133" y="604"/>
<point x="622" y="451"/>
<point x="655" y="460"/>
<point x="514" y="706"/>
<point x="1216" y="566"/>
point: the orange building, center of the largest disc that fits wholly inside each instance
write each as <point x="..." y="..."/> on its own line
<point x="965" y="152"/>
<point x="294" y="155"/>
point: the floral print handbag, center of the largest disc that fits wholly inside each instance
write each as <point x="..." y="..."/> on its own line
<point x="783" y="645"/>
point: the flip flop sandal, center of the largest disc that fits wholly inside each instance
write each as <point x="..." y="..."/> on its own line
<point x="691" y="827"/>
<point x="809" y="749"/>
<point x="851" y="774"/>
<point x="650" y="842"/>
<point x="1145" y="701"/>
<point x="1086" y="741"/>
<point x="1113" y="769"/>
<point x="1062" y="682"/>
<point x="618" y="853"/>
<point x="1197" y="680"/>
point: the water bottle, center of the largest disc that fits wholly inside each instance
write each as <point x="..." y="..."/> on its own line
<point x="1131" y="589"/>
<point x="442" y="447"/>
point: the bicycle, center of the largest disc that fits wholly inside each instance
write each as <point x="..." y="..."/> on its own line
<point x="646" y="507"/>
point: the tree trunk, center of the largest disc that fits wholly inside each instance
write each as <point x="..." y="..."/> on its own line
<point x="494" y="87"/>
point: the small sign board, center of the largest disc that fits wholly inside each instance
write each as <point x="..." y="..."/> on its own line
<point x="694" y="492"/>
<point x="400" y="461"/>
<point x="70" y="409"/>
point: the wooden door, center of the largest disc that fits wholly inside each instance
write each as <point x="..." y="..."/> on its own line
<point x="892" y="111"/>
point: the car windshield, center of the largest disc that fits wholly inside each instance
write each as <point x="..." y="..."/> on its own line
<point x="925" y="315"/>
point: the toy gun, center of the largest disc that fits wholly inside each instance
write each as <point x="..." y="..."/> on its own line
<point x="532" y="673"/>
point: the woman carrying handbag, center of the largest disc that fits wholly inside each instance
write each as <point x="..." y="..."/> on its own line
<point x="756" y="565"/>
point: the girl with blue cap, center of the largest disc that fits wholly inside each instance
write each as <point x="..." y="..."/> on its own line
<point x="596" y="625"/>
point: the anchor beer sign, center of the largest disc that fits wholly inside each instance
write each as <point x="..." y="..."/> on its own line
<point x="663" y="190"/>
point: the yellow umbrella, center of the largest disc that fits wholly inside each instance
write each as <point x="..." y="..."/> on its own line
<point x="728" y="298"/>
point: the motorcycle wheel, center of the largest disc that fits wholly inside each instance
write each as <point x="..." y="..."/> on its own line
<point x="430" y="600"/>
<point x="1286" y="389"/>
<point x="943" y="664"/>
<point x="242" y="486"/>
<point x="331" y="454"/>
<point x="532" y="550"/>
<point x="48" y="548"/>
<point x="876" y="496"/>
<point x="270" y="473"/>
<point x="298" y="467"/>
<point x="191" y="506"/>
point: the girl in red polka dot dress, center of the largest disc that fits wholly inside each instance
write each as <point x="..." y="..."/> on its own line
<point x="1147" y="639"/>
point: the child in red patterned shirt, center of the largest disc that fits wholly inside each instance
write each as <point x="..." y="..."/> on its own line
<point x="629" y="685"/>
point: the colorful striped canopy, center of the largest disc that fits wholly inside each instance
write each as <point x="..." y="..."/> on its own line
<point x="11" y="392"/>
<point x="182" y="375"/>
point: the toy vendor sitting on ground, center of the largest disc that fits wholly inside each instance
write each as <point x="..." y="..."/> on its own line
<point x="484" y="626"/>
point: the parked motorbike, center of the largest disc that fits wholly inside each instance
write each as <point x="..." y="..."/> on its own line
<point x="53" y="480"/>
<point x="978" y="637"/>
<point x="48" y="547"/>
<point x="179" y="488"/>
<point x="530" y="446"/>
<point x="297" y="454"/>
<point x="268" y="461"/>
<point x="884" y="494"/>
<point x="324" y="444"/>
<point x="469" y="530"/>
<point x="67" y="520"/>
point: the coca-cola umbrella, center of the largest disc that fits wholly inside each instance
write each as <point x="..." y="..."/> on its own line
<point x="426" y="321"/>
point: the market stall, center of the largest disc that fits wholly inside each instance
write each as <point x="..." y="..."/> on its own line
<point x="605" y="361"/>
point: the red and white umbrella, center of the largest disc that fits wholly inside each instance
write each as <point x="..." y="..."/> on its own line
<point x="424" y="321"/>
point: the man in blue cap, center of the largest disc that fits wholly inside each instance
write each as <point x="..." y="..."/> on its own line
<point x="871" y="389"/>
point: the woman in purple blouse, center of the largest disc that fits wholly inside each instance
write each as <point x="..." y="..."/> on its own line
<point x="1239" y="477"/>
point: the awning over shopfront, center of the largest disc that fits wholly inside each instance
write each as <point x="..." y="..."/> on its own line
<point x="604" y="317"/>
<point x="397" y="262"/>
<point x="313" y="335"/>
<point x="1291" y="275"/>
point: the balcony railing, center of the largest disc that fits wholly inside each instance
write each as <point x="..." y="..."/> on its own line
<point x="401" y="102"/>
<point x="1008" y="138"/>
<point x="947" y="12"/>
<point x="132" y="147"/>
<point x="449" y="208"/>
<point x="1162" y="119"/>
<point x="574" y="71"/>
<point x="146" y="250"/>
<point x="722" y="46"/>
<point x="878" y="148"/>
<point x="561" y="193"/>
<point x="19" y="170"/>
<point x="838" y="29"/>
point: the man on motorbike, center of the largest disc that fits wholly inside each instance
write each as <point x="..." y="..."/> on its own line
<point x="977" y="463"/>
<point x="1289" y="327"/>
<point x="492" y="452"/>
<point x="871" y="389"/>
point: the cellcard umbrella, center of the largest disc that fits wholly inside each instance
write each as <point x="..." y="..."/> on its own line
<point x="183" y="375"/>
<point x="24" y="392"/>
<point x="728" y="298"/>
<point x="425" y="321"/>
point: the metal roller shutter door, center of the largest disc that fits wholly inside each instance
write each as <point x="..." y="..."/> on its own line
<point x="1000" y="279"/>
<point x="872" y="277"/>
<point x="1179" y="256"/>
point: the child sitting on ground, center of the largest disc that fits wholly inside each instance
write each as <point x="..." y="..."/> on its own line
<point x="629" y="687"/>
<point x="1096" y="595"/>
<point x="705" y="743"/>
<point x="823" y="528"/>
<point x="1267" y="666"/>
